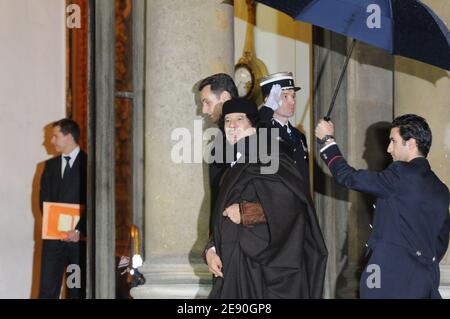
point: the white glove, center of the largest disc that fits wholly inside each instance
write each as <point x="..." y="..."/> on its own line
<point x="274" y="99"/>
<point x="136" y="261"/>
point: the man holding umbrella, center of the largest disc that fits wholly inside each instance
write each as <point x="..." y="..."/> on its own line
<point x="411" y="221"/>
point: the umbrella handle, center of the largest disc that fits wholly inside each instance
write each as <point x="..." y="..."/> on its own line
<point x="336" y="90"/>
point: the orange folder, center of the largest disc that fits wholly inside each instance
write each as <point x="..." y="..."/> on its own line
<point x="59" y="218"/>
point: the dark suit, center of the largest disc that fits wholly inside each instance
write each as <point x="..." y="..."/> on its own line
<point x="410" y="228"/>
<point x="56" y="255"/>
<point x="296" y="149"/>
<point x="215" y="170"/>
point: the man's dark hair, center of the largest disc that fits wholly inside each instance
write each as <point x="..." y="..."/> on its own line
<point x="416" y="127"/>
<point x="219" y="83"/>
<point x="69" y="126"/>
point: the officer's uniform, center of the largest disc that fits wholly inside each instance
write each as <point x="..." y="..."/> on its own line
<point x="292" y="141"/>
<point x="411" y="225"/>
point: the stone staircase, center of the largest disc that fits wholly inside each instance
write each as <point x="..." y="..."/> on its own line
<point x="173" y="281"/>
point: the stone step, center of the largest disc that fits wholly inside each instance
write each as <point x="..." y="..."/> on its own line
<point x="173" y="281"/>
<point x="171" y="291"/>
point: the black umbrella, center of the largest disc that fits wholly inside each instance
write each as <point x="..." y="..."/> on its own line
<point x="406" y="28"/>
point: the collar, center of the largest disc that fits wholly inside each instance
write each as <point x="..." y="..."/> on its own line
<point x="73" y="155"/>
<point x="420" y="161"/>
<point x="282" y="124"/>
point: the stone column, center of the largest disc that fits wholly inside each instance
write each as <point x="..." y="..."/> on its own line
<point x="369" y="111"/>
<point x="186" y="41"/>
<point x="101" y="186"/>
<point x="362" y="109"/>
<point x="330" y="50"/>
<point x="424" y="90"/>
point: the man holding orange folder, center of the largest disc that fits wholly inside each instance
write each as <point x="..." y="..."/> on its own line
<point x="64" y="182"/>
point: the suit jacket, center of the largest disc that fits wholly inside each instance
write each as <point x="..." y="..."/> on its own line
<point x="298" y="152"/>
<point x="71" y="190"/>
<point x="411" y="220"/>
<point x="215" y="169"/>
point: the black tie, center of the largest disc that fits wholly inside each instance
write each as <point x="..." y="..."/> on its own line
<point x="67" y="168"/>
<point x="292" y="135"/>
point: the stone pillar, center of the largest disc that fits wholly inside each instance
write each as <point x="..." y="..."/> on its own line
<point x="101" y="186"/>
<point x="369" y="112"/>
<point x="424" y="90"/>
<point x="186" y="41"/>
<point x="363" y="104"/>
<point x="330" y="50"/>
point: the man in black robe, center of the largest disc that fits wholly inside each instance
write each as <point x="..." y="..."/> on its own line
<point x="276" y="251"/>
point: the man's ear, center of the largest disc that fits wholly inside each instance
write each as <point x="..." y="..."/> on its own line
<point x="71" y="138"/>
<point x="225" y="96"/>
<point x="412" y="144"/>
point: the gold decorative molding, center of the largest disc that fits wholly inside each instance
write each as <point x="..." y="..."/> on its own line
<point x="249" y="58"/>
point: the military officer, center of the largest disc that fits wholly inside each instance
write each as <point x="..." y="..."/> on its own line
<point x="279" y="93"/>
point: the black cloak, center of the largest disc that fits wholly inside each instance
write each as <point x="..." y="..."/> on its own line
<point x="284" y="258"/>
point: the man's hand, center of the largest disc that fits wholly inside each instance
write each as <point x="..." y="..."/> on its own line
<point x="214" y="263"/>
<point x="233" y="213"/>
<point x="324" y="128"/>
<point x="73" y="236"/>
<point x="274" y="99"/>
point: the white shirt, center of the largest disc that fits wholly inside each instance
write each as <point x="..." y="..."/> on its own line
<point x="73" y="155"/>
<point x="284" y="124"/>
<point x="238" y="156"/>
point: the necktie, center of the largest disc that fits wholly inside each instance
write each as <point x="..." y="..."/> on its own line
<point x="292" y="135"/>
<point x="67" y="168"/>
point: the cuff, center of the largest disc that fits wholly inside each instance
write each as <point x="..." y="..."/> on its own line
<point x="209" y="245"/>
<point x="330" y="154"/>
<point x="327" y="146"/>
